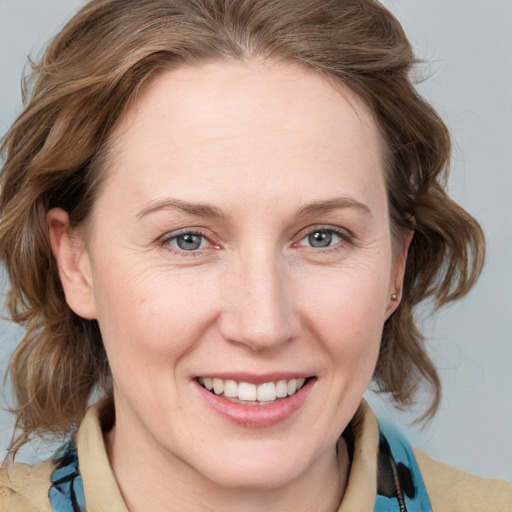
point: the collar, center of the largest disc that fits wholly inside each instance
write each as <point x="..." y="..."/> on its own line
<point x="101" y="491"/>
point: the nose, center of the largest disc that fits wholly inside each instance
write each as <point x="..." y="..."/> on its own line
<point x="257" y="302"/>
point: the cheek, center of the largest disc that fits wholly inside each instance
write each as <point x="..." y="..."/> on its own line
<point x="347" y="313"/>
<point x="149" y="318"/>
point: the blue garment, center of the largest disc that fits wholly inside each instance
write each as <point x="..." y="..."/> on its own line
<point x="400" y="487"/>
<point x="67" y="491"/>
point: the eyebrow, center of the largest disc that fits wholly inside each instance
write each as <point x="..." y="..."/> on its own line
<point x="332" y="204"/>
<point x="197" y="209"/>
<point x="210" y="211"/>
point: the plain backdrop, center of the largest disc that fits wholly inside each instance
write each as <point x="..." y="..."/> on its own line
<point x="467" y="48"/>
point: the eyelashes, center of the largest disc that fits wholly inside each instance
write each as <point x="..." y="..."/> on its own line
<point x="188" y="242"/>
<point x="324" y="238"/>
<point x="196" y="242"/>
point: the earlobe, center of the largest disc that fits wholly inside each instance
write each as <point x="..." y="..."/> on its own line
<point x="73" y="264"/>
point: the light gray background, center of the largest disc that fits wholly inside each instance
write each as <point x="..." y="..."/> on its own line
<point x="468" y="46"/>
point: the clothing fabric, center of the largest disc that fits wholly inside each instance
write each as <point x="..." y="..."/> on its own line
<point x="386" y="475"/>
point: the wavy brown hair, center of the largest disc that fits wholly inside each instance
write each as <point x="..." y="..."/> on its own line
<point x="56" y="154"/>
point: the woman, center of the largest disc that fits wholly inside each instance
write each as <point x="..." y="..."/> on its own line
<point x="222" y="215"/>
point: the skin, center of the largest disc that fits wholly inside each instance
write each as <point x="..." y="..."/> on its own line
<point x="260" y="143"/>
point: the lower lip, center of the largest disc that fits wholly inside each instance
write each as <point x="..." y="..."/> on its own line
<point x="257" y="416"/>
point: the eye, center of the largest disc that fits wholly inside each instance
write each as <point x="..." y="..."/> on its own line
<point x="322" y="238"/>
<point x="187" y="241"/>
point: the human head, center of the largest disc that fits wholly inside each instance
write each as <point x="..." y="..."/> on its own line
<point x="93" y="70"/>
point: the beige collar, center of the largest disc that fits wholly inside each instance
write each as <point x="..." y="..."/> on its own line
<point x="101" y="491"/>
<point x="362" y="481"/>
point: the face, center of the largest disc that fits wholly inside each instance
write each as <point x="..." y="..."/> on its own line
<point x="241" y="240"/>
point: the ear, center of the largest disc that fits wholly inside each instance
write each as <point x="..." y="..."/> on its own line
<point x="73" y="264"/>
<point x="397" y="278"/>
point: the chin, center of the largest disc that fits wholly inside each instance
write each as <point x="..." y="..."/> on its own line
<point x="255" y="467"/>
<point x="248" y="477"/>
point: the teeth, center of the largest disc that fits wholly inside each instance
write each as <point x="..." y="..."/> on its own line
<point x="231" y="388"/>
<point x="292" y="386"/>
<point x="264" y="393"/>
<point x="281" y="389"/>
<point x="218" y="386"/>
<point x="246" y="391"/>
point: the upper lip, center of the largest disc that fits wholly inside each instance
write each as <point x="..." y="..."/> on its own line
<point x="255" y="378"/>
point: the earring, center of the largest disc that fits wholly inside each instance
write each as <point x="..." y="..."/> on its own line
<point x="394" y="296"/>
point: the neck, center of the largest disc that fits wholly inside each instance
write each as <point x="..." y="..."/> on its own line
<point x="162" y="482"/>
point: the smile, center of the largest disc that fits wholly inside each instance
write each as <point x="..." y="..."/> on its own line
<point x="252" y="394"/>
<point x="237" y="399"/>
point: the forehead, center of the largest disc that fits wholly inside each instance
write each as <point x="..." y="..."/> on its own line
<point x="224" y="124"/>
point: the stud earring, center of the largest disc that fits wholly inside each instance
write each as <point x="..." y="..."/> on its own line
<point x="394" y="296"/>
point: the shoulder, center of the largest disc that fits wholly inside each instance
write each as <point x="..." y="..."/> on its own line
<point x="453" y="490"/>
<point x="24" y="487"/>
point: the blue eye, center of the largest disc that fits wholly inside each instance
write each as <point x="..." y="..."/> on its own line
<point x="322" y="238"/>
<point x="188" y="241"/>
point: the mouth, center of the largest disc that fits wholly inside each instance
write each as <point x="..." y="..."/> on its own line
<point x="238" y="397"/>
<point x="247" y="393"/>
